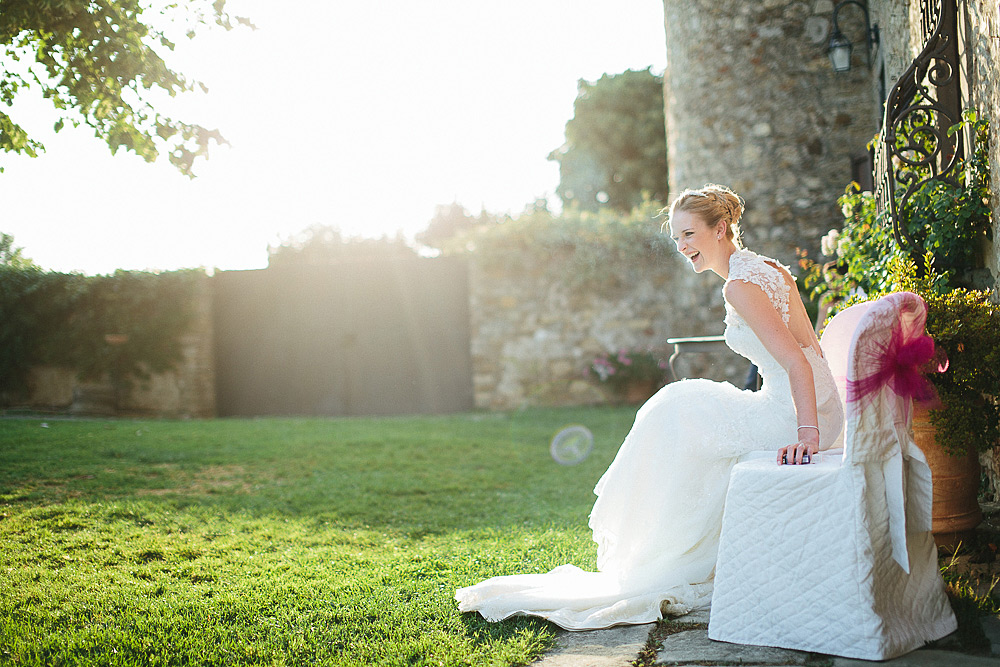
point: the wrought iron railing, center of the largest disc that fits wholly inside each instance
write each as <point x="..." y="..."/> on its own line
<point x="914" y="146"/>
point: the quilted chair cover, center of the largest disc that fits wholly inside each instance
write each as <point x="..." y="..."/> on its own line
<point x="837" y="557"/>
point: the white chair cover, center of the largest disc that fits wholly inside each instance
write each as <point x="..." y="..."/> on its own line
<point x="837" y="557"/>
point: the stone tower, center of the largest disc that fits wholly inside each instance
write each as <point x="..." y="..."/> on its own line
<point x="752" y="102"/>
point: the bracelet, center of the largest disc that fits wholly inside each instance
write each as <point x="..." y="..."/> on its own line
<point x="807" y="426"/>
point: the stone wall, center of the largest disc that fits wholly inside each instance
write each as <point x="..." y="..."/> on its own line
<point x="897" y="43"/>
<point x="533" y="337"/>
<point x="983" y="48"/>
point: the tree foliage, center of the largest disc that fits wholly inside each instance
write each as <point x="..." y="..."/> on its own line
<point x="326" y="244"/>
<point x="11" y="256"/>
<point x="100" y="64"/>
<point x="616" y="150"/>
<point x="451" y="224"/>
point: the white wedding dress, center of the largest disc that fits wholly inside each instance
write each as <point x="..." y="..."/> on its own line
<point x="659" y="507"/>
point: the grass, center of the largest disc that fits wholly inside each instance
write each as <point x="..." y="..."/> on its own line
<point x="968" y="573"/>
<point x="282" y="541"/>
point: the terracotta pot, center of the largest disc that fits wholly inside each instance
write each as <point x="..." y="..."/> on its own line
<point x="638" y="391"/>
<point x="956" y="486"/>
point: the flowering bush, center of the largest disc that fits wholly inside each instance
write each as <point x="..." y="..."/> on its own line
<point x="624" y="367"/>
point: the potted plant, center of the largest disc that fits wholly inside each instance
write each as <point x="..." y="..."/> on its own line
<point x="633" y="375"/>
<point x="966" y="421"/>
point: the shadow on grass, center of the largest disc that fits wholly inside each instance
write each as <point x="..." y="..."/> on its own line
<point x="419" y="475"/>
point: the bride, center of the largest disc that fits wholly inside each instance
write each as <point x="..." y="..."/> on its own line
<point x="659" y="506"/>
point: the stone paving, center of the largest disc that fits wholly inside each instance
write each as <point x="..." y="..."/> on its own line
<point x="620" y="647"/>
<point x="613" y="647"/>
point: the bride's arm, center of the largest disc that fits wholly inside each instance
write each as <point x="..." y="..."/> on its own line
<point x="755" y="308"/>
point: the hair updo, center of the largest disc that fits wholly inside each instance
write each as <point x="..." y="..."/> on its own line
<point x="713" y="204"/>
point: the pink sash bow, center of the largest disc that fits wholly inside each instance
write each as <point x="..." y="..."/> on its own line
<point x="901" y="363"/>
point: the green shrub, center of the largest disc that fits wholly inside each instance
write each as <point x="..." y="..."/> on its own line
<point x="603" y="250"/>
<point x="964" y="324"/>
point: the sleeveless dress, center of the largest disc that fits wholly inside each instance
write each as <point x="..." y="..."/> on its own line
<point x="659" y="506"/>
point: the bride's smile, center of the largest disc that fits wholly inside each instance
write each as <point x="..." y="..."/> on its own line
<point x="704" y="246"/>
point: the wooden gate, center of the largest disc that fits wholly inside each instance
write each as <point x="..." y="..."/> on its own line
<point x="371" y="337"/>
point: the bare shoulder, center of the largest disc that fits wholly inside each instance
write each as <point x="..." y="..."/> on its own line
<point x="743" y="293"/>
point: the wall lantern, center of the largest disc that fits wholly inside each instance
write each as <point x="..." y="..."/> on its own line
<point x="840" y="47"/>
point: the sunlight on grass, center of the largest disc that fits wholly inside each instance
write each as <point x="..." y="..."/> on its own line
<point x="284" y="541"/>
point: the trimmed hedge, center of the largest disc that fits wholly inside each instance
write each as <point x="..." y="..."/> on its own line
<point x="123" y="326"/>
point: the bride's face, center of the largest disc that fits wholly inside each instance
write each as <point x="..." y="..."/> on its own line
<point x="700" y="244"/>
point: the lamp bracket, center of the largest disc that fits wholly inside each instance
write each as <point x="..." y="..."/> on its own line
<point x="871" y="32"/>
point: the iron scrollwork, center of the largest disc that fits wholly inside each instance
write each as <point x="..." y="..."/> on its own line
<point x="914" y="146"/>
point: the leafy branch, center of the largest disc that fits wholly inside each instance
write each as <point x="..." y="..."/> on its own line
<point x="98" y="62"/>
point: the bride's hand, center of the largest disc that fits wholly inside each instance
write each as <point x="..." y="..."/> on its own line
<point x="808" y="444"/>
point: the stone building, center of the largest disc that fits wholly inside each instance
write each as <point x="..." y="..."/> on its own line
<point x="752" y="101"/>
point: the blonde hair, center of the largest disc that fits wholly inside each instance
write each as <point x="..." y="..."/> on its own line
<point x="713" y="204"/>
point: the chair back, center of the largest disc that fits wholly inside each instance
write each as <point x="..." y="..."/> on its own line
<point x="885" y="372"/>
<point x="878" y="400"/>
<point x="836" y="343"/>
<point x="857" y="343"/>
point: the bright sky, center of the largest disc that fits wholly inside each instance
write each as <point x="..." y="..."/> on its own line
<point x="363" y="115"/>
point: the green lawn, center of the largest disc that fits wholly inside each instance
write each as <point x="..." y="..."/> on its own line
<point x="284" y="541"/>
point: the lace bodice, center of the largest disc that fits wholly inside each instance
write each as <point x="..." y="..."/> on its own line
<point x="752" y="268"/>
